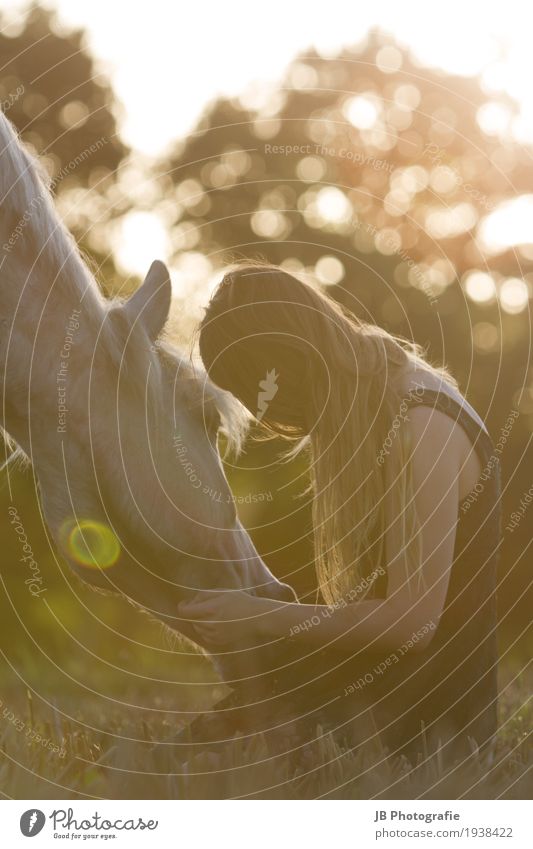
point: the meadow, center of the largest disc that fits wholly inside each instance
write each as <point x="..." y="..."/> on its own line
<point x="121" y="754"/>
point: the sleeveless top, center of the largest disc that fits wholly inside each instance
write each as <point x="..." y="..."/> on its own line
<point x="445" y="697"/>
<point x="441" y="699"/>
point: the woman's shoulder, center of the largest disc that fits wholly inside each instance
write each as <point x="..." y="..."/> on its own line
<point x="443" y="424"/>
<point x="422" y="386"/>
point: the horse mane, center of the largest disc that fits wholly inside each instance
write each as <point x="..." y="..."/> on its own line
<point x="197" y="387"/>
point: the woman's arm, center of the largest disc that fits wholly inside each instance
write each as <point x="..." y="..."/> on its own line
<point x="222" y="617"/>
<point x="374" y="625"/>
<point x="412" y="606"/>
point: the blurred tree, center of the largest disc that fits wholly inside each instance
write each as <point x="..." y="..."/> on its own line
<point x="376" y="177"/>
<point x="65" y="109"/>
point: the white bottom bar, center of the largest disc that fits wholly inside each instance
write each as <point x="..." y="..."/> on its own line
<point x="267" y="824"/>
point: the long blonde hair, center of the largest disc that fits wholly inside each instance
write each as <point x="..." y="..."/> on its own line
<point x="316" y="374"/>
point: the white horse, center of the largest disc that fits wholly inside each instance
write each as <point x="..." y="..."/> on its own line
<point x="120" y="429"/>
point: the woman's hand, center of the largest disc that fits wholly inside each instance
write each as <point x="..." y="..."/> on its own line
<point x="222" y="617"/>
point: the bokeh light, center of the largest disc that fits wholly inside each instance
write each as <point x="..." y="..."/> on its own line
<point x="480" y="287"/>
<point x="362" y="111"/>
<point x="514" y="295"/>
<point x="329" y="270"/>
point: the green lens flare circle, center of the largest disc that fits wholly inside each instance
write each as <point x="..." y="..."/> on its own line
<point x="92" y="544"/>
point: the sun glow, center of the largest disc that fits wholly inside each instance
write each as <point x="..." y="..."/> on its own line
<point x="509" y="225"/>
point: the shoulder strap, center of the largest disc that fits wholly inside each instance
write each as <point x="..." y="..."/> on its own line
<point x="474" y="428"/>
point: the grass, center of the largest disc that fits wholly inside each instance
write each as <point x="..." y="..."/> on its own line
<point x="118" y="754"/>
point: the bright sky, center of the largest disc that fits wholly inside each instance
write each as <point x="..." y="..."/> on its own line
<point x="162" y="52"/>
<point x="168" y="59"/>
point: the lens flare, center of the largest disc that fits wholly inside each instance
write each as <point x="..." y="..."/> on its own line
<point x="90" y="543"/>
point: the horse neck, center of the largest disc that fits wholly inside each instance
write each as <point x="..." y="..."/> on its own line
<point x="35" y="244"/>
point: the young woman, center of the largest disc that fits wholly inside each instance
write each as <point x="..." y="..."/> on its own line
<point x="405" y="510"/>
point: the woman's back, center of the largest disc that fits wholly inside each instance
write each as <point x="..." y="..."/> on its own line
<point x="451" y="687"/>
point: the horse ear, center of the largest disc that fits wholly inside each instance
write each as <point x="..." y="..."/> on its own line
<point x="150" y="304"/>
